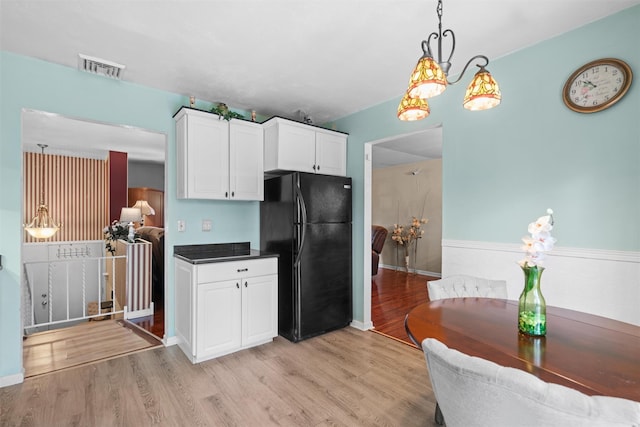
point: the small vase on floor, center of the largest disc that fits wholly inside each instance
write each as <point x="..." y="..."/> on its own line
<point x="406" y="262"/>
<point x="532" y="308"/>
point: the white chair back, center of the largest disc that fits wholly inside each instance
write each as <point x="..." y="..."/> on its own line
<point x="460" y="286"/>
<point x="476" y="392"/>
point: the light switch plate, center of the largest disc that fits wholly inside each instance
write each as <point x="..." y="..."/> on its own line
<point x="206" y="225"/>
<point x="181" y="225"/>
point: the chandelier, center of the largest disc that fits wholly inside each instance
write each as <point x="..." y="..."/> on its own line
<point x="430" y="78"/>
<point x="42" y="226"/>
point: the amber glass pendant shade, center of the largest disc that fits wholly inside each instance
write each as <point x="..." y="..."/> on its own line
<point x="411" y="109"/>
<point x="483" y="93"/>
<point x="427" y="80"/>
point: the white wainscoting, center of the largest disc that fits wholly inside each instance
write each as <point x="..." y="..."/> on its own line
<point x="600" y="282"/>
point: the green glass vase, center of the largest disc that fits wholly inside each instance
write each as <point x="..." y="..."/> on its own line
<point x="532" y="308"/>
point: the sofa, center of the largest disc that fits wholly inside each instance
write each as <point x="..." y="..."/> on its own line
<point x="378" y="237"/>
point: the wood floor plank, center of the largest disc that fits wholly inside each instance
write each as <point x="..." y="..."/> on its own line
<point x="84" y="343"/>
<point x="393" y="295"/>
<point x="345" y="378"/>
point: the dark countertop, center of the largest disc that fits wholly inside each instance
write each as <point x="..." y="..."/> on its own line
<point x="218" y="252"/>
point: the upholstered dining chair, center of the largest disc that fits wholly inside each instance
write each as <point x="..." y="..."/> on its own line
<point x="459" y="286"/>
<point x="476" y="392"/>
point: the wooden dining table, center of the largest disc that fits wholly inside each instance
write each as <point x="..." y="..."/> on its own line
<point x="592" y="354"/>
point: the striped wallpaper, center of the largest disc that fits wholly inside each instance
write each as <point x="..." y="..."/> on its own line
<point x="138" y="277"/>
<point x="75" y="191"/>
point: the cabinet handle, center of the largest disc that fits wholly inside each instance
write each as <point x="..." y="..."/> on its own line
<point x="318" y="167"/>
<point x="238" y="285"/>
<point x="226" y="194"/>
<point x="245" y="284"/>
<point x="313" y="167"/>
<point x="240" y="270"/>
<point x="233" y="194"/>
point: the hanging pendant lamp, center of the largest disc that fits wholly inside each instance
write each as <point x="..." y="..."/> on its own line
<point x="483" y="92"/>
<point x="411" y="109"/>
<point x="42" y="226"/>
<point x="430" y="76"/>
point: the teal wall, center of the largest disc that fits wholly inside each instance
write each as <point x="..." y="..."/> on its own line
<point x="504" y="167"/>
<point x="501" y="168"/>
<point x="34" y="84"/>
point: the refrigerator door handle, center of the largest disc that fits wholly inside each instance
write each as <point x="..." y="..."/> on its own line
<point x="303" y="210"/>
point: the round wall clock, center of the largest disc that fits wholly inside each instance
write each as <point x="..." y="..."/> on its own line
<point x="597" y="85"/>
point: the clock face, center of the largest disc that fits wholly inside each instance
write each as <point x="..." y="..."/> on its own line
<point x="597" y="85"/>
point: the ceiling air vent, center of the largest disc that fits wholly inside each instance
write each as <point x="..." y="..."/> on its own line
<point x="100" y="66"/>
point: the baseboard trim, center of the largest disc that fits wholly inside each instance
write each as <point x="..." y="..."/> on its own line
<point x="421" y="272"/>
<point x="11" y="379"/>
<point x="169" y="341"/>
<point x="361" y="325"/>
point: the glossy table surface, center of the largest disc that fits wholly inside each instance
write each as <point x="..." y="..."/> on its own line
<point x="592" y="354"/>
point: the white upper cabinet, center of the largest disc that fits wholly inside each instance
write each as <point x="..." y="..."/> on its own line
<point x="294" y="146"/>
<point x="246" y="160"/>
<point x="218" y="159"/>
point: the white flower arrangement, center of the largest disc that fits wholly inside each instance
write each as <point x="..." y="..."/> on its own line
<point x="539" y="242"/>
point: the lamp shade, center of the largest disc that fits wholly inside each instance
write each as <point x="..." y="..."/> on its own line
<point x="42" y="225"/>
<point x="411" y="109"/>
<point x="130" y="215"/>
<point x="144" y="207"/>
<point x="483" y="93"/>
<point x="427" y="80"/>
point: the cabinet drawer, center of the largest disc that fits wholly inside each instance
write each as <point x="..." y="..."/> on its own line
<point x="230" y="270"/>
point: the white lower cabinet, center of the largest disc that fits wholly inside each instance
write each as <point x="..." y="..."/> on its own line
<point x="226" y="306"/>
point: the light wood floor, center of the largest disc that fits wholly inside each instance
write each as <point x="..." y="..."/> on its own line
<point x="87" y="342"/>
<point x="344" y="378"/>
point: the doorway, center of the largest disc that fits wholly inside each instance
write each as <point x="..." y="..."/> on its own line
<point x="69" y="137"/>
<point x="408" y="160"/>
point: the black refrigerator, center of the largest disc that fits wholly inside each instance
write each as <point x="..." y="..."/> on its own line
<point x="306" y="219"/>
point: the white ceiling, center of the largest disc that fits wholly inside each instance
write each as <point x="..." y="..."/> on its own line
<point x="326" y="58"/>
<point x="81" y="138"/>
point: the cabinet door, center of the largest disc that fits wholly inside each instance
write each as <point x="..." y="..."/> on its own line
<point x="296" y="148"/>
<point x="246" y="168"/>
<point x="259" y="309"/>
<point x="218" y="329"/>
<point x="331" y="154"/>
<point x="207" y="158"/>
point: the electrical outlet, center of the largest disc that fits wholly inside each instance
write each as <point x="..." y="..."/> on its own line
<point x="206" y="225"/>
<point x="181" y="225"/>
